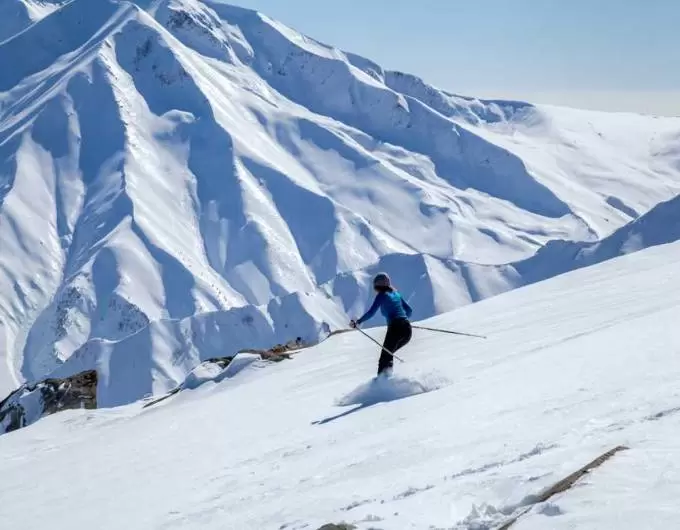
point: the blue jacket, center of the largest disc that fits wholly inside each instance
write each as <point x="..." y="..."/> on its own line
<point x="392" y="306"/>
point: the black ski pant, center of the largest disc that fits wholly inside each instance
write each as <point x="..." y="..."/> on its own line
<point x="398" y="336"/>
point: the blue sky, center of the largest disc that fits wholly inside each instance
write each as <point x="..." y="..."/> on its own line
<point x="607" y="54"/>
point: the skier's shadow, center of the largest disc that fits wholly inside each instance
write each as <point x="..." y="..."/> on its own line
<point x="346" y="413"/>
<point x="367" y="401"/>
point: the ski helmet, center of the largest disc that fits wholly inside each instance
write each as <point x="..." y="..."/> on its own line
<point x="382" y="280"/>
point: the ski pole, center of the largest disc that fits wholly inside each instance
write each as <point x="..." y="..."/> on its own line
<point x="384" y="349"/>
<point x="451" y="332"/>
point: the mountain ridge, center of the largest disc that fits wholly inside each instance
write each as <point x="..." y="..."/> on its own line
<point x="177" y="158"/>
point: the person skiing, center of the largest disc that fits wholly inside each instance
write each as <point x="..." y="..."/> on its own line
<point x="397" y="313"/>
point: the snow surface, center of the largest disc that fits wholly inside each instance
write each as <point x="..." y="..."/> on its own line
<point x="17" y="15"/>
<point x="156" y="359"/>
<point x="178" y="173"/>
<point x="572" y="367"/>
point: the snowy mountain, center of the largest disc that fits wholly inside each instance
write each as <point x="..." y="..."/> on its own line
<point x="659" y="226"/>
<point x="17" y="15"/>
<point x="468" y="435"/>
<point x="156" y="359"/>
<point x="182" y="179"/>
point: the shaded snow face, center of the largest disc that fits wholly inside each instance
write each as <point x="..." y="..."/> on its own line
<point x="17" y="15"/>
<point x="183" y="179"/>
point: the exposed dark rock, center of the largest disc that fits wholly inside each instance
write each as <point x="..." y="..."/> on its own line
<point x="341" y="526"/>
<point x="31" y="402"/>
<point x="222" y="362"/>
<point x="280" y="352"/>
<point x="275" y="357"/>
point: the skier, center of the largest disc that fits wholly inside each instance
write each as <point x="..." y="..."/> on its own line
<point x="397" y="312"/>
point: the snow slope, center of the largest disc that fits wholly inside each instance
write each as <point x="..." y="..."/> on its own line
<point x="573" y="367"/>
<point x="17" y="15"/>
<point x="157" y="359"/>
<point x="659" y="226"/>
<point x="161" y="161"/>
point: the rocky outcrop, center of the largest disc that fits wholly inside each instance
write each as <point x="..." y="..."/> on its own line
<point x="31" y="402"/>
<point x="281" y="352"/>
<point x="222" y="362"/>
